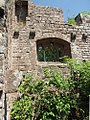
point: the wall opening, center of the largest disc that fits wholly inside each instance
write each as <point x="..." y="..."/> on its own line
<point x="1" y="13"/>
<point x="1" y="92"/>
<point x="21" y="11"/>
<point x="53" y="50"/>
<point x="2" y="17"/>
<point x="16" y="35"/>
<point x="31" y="34"/>
<point x="73" y="37"/>
<point x="84" y="37"/>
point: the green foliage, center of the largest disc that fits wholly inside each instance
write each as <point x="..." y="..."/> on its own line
<point x="71" y="21"/>
<point x="22" y="109"/>
<point x="49" y="53"/>
<point x="63" y="59"/>
<point x="45" y="99"/>
<point x="54" y="97"/>
<point x="80" y="74"/>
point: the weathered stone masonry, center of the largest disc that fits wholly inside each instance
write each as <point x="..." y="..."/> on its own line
<point x="24" y="30"/>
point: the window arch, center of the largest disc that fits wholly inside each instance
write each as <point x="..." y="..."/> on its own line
<point x="52" y="49"/>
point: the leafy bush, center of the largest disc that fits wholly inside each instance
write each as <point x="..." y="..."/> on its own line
<point x="80" y="73"/>
<point x="71" y="21"/>
<point x="54" y="97"/>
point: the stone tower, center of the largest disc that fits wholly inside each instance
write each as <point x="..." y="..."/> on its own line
<point x="25" y="31"/>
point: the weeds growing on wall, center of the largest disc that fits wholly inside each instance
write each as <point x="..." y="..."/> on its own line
<point x="54" y="97"/>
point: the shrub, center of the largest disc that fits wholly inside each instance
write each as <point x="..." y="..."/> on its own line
<point x="54" y="97"/>
<point x="71" y="21"/>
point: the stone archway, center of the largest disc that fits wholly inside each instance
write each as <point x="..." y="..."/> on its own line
<point x="52" y="49"/>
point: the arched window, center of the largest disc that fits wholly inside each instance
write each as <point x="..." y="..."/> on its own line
<point x="52" y="49"/>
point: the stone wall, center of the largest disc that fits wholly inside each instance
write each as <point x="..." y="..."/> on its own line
<point x="2" y="3"/>
<point x="2" y="68"/>
<point x="45" y="22"/>
<point x="18" y="44"/>
<point x="83" y="18"/>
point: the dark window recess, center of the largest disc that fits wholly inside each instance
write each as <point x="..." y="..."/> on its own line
<point x="31" y="34"/>
<point x="73" y="37"/>
<point x="16" y="35"/>
<point x="1" y="13"/>
<point x="1" y="92"/>
<point x="21" y="11"/>
<point x="84" y="37"/>
<point x="84" y="60"/>
<point x="53" y="50"/>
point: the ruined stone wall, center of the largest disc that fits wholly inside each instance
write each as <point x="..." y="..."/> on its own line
<point x="3" y="44"/>
<point x="83" y="18"/>
<point x="2" y="3"/>
<point x="45" y="22"/>
<point x="1" y="74"/>
<point x="18" y="51"/>
<point x="38" y="18"/>
<point x="21" y="55"/>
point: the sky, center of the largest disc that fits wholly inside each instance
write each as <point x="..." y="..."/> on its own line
<point x="71" y="8"/>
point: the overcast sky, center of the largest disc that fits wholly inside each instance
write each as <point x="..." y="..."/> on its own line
<point x="71" y="7"/>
